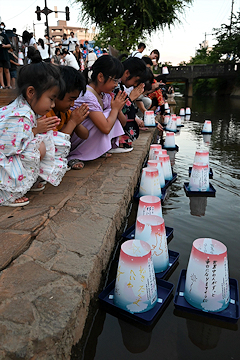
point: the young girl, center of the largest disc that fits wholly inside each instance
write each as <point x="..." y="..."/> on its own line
<point x="28" y="147"/>
<point x="105" y="118"/>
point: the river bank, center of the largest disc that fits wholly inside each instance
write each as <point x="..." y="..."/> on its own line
<point x="54" y="250"/>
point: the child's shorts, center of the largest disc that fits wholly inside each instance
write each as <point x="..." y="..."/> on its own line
<point x="13" y="73"/>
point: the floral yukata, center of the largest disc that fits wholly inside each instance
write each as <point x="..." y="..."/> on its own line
<point x="20" y="163"/>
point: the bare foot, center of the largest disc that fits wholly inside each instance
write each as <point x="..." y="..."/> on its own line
<point x="21" y="200"/>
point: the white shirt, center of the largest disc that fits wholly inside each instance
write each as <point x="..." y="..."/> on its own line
<point x="32" y="42"/>
<point x="43" y="52"/>
<point x="92" y="57"/>
<point x="137" y="54"/>
<point x="70" y="60"/>
<point x="72" y="43"/>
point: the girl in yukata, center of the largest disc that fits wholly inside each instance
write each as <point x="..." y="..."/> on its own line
<point x="29" y="147"/>
<point x="105" y="120"/>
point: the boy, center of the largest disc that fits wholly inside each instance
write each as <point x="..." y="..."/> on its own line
<point x="71" y="120"/>
<point x="133" y="78"/>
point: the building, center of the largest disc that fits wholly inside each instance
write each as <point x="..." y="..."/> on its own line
<point x="82" y="34"/>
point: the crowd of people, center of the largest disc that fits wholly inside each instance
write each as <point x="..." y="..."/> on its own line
<point x="65" y="115"/>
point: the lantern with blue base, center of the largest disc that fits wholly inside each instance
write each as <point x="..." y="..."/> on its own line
<point x="207" y="280"/>
<point x="151" y="228"/>
<point x="135" y="287"/>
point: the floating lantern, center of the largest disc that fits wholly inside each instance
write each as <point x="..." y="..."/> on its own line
<point x="188" y="111"/>
<point x="169" y="140"/>
<point x="166" y="119"/>
<point x="187" y="117"/>
<point x="166" y="106"/>
<point x="152" y="148"/>
<point x="167" y="111"/>
<point x="207" y="127"/>
<point x="165" y="70"/>
<point x="199" y="179"/>
<point x="150" y="184"/>
<point x="159" y="166"/>
<point x="182" y="112"/>
<point x="201" y="156"/>
<point x="167" y="170"/>
<point x="156" y="153"/>
<point x="149" y="205"/>
<point x="172" y="124"/>
<point x="135" y="286"/>
<point x="207" y="280"/>
<point x="151" y="228"/>
<point x="179" y="121"/>
<point x="149" y="118"/>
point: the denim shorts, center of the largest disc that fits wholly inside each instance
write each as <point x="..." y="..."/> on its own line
<point x="13" y="73"/>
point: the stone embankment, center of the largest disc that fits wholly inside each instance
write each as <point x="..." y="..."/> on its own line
<point x="53" y="253"/>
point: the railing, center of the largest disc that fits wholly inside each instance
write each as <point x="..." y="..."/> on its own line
<point x="197" y="71"/>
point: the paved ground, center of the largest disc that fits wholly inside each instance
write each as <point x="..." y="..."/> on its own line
<point x="54" y="250"/>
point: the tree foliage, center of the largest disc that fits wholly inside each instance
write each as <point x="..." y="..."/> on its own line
<point x="227" y="47"/>
<point x="119" y="35"/>
<point x="136" y="15"/>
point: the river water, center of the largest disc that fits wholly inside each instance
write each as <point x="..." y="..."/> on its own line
<point x="179" y="335"/>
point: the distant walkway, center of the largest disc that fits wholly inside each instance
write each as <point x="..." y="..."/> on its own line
<point x="54" y="250"/>
<point x="190" y="72"/>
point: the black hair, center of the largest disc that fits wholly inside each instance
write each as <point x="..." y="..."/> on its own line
<point x="73" y="80"/>
<point x="147" y="60"/>
<point x="25" y="36"/>
<point x="56" y="50"/>
<point x="155" y="51"/>
<point x="108" y="66"/>
<point x="65" y="51"/>
<point x="34" y="54"/>
<point x="136" y="67"/>
<point x="41" y="42"/>
<point x="42" y="76"/>
<point x="141" y="44"/>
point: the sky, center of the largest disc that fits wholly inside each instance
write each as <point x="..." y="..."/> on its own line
<point x="175" y="45"/>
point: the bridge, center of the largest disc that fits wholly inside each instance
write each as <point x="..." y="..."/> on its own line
<point x="190" y="72"/>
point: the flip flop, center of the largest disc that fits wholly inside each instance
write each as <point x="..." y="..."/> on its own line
<point x="18" y="204"/>
<point x="73" y="162"/>
<point x="36" y="189"/>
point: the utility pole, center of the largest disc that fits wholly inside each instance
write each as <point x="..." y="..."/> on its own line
<point x="46" y="11"/>
<point x="230" y="27"/>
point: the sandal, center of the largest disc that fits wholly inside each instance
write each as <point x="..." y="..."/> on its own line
<point x="106" y="155"/>
<point x="76" y="164"/>
<point x="18" y="204"/>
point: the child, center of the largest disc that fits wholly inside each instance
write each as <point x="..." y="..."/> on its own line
<point x="13" y="69"/>
<point x="71" y="120"/>
<point x="103" y="121"/>
<point x="28" y="147"/>
<point x="133" y="78"/>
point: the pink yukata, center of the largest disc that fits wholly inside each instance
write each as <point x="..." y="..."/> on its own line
<point x="20" y="163"/>
<point x="97" y="143"/>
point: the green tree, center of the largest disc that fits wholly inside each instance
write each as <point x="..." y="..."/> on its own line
<point x="227" y="47"/>
<point x="133" y="18"/>
<point x="119" y="35"/>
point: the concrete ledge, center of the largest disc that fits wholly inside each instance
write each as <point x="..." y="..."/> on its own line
<point x="56" y="250"/>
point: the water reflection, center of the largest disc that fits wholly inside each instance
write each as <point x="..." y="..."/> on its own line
<point x="135" y="339"/>
<point x="207" y="139"/>
<point x="198" y="205"/>
<point x="204" y="336"/>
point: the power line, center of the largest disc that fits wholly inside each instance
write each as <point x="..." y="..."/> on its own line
<point x="21" y="12"/>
